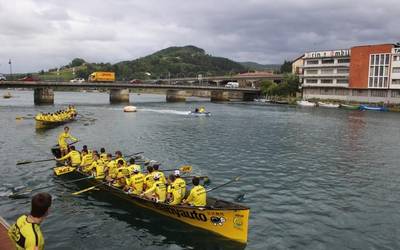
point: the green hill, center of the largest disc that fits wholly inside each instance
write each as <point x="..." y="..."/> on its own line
<point x="260" y="67"/>
<point x="187" y="61"/>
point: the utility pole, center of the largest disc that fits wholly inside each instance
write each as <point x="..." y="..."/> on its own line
<point x="9" y="62"/>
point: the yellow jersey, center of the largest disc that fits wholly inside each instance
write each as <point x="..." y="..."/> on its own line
<point x="197" y="196"/>
<point x="103" y="156"/>
<point x="182" y="185"/>
<point x="26" y="235"/>
<point x="175" y="191"/>
<point x="112" y="169"/>
<point x="136" y="183"/>
<point x="162" y="176"/>
<point x="159" y="190"/>
<point x="149" y="180"/>
<point x="62" y="139"/>
<point x="87" y="160"/>
<point x="74" y="156"/>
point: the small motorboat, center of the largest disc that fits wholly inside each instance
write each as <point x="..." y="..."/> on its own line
<point x="261" y="100"/>
<point x="349" y="107"/>
<point x="130" y="109"/>
<point x="327" y="105"/>
<point x="373" y="108"/>
<point x="194" y="113"/>
<point x="306" y="104"/>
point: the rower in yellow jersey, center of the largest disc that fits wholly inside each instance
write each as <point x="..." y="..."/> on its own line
<point x="62" y="141"/>
<point x="174" y="194"/>
<point x="134" y="185"/>
<point x="87" y="159"/>
<point x="26" y="232"/>
<point x="103" y="154"/>
<point x="181" y="181"/>
<point x="157" y="192"/>
<point x="197" y="195"/>
<point x="149" y="178"/>
<point x="156" y="171"/>
<point x="74" y="157"/>
<point x="97" y="167"/>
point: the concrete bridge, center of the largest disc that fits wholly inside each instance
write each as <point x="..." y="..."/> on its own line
<point x="119" y="92"/>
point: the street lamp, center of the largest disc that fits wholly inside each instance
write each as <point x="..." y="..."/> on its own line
<point x="9" y="62"/>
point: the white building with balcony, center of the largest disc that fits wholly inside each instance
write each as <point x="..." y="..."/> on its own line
<point x="326" y="73"/>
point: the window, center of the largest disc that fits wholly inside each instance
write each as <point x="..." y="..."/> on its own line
<point x="326" y="71"/>
<point x="395" y="93"/>
<point x="342" y="81"/>
<point x="379" y="70"/>
<point x="328" y="61"/>
<point x="311" y="71"/>
<point x="312" y="61"/>
<point x="378" y="93"/>
<point x="396" y="81"/>
<point x="311" y="81"/>
<point x="343" y="60"/>
<point x="326" y="81"/>
<point x="342" y="71"/>
<point x="360" y="92"/>
<point x="396" y="70"/>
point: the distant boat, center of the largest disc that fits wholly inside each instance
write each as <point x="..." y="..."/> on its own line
<point x="373" y="108"/>
<point x="261" y="100"/>
<point x="130" y="109"/>
<point x="306" y="104"/>
<point x="327" y="105"/>
<point x="7" y="96"/>
<point x="280" y="102"/>
<point x="350" y="107"/>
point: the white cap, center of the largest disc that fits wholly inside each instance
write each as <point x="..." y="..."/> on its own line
<point x="156" y="176"/>
<point x="177" y="172"/>
<point x="136" y="169"/>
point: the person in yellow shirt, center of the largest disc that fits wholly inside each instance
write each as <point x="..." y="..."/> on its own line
<point x="135" y="182"/>
<point x="157" y="192"/>
<point x="120" y="179"/>
<point x="174" y="194"/>
<point x="103" y="154"/>
<point x="62" y="141"/>
<point x="156" y="171"/>
<point x="197" y="195"/>
<point x="87" y="159"/>
<point x="111" y="168"/>
<point x="74" y="157"/>
<point x="181" y="181"/>
<point x="202" y="110"/>
<point x="26" y="232"/>
<point x="118" y="156"/>
<point x="97" y="167"/>
<point x="149" y="178"/>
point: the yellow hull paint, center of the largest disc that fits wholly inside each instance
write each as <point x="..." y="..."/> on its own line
<point x="223" y="218"/>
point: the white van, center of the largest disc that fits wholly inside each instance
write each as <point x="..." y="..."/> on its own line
<point x="2" y="77"/>
<point x="232" y="85"/>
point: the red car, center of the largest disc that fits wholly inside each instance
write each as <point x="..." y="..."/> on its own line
<point x="28" y="79"/>
<point x="135" y="81"/>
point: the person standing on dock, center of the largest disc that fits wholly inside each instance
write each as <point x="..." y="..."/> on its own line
<point x="26" y="232"/>
<point x="62" y="141"/>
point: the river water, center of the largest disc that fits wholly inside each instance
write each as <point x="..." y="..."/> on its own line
<point x="313" y="178"/>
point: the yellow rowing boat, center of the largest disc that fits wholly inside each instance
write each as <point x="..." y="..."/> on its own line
<point x="220" y="217"/>
<point x="44" y="124"/>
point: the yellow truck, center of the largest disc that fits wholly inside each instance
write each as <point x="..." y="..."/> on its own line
<point x="102" y="77"/>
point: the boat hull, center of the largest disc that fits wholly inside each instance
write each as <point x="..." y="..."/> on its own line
<point x="306" y="104"/>
<point x="47" y="124"/>
<point x="327" y="105"/>
<point x="230" y="223"/>
<point x="349" y="107"/>
<point x="200" y="114"/>
<point x="366" y="107"/>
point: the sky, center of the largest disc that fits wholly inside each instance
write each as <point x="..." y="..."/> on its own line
<point x="43" y="34"/>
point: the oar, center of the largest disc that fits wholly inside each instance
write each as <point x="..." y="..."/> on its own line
<point x="23" y="117"/>
<point x="72" y="143"/>
<point x="86" y="189"/>
<point x="28" y="191"/>
<point x="205" y="178"/>
<point x="138" y="153"/>
<point x="226" y="183"/>
<point x="27" y="162"/>
<point x="183" y="169"/>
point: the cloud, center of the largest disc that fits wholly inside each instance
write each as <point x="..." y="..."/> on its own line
<point x="41" y="34"/>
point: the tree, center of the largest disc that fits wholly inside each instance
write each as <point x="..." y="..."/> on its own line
<point x="77" y="62"/>
<point x="286" y="67"/>
<point x="292" y="83"/>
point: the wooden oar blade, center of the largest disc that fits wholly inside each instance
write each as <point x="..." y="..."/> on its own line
<point x="185" y="169"/>
<point x="84" y="190"/>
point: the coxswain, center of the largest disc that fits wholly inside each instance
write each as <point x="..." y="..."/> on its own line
<point x="26" y="232"/>
<point x="103" y="154"/>
<point x="174" y="193"/>
<point x="134" y="185"/>
<point x="156" y="166"/>
<point x="157" y="192"/>
<point x="181" y="181"/>
<point x="149" y="179"/>
<point x="62" y="141"/>
<point x="87" y="159"/>
<point x="197" y="195"/>
<point x="74" y="157"/>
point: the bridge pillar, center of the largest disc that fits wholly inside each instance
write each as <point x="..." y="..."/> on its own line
<point x="43" y="96"/>
<point x="176" y="95"/>
<point x="249" y="97"/>
<point x="219" y="96"/>
<point x="119" y="95"/>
